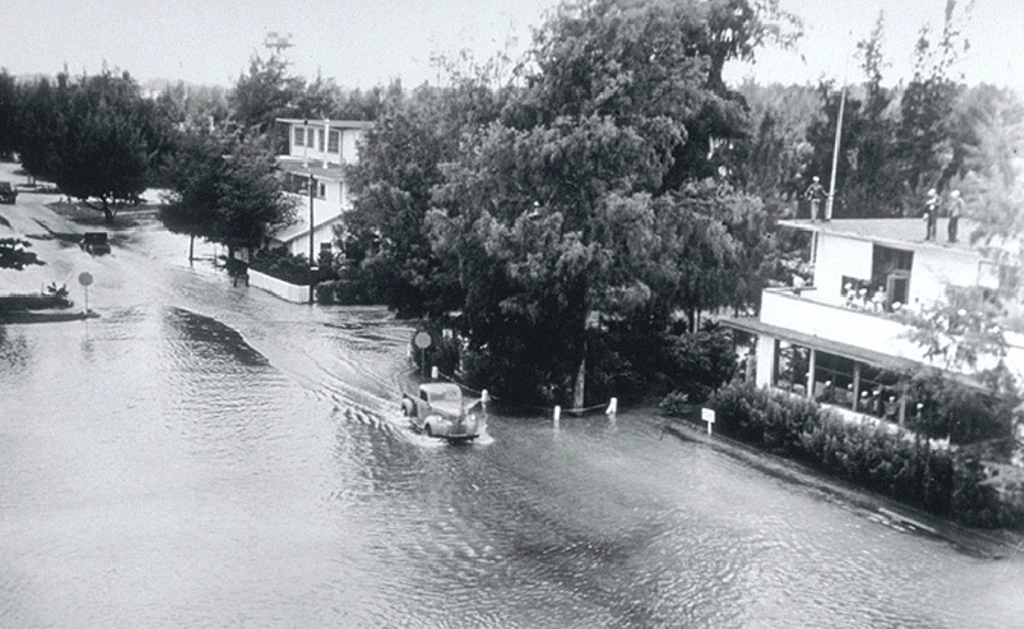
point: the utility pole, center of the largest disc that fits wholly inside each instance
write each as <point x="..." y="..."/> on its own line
<point x="839" y="133"/>
<point x="312" y="193"/>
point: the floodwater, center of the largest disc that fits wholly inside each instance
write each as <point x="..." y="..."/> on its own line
<point x="203" y="455"/>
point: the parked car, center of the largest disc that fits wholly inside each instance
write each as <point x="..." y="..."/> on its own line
<point x="95" y="243"/>
<point x="439" y="410"/>
<point x="7" y="192"/>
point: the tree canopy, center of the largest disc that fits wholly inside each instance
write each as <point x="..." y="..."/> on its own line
<point x="225" y="188"/>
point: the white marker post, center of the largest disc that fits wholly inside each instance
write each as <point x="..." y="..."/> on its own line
<point x="613" y="407"/>
<point x="708" y="415"/>
<point x="558" y="415"/>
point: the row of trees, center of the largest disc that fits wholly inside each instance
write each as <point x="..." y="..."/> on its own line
<point x="101" y="139"/>
<point x="897" y="142"/>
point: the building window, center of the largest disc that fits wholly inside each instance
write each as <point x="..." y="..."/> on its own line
<point x="879" y="393"/>
<point x="791" y="365"/>
<point x="333" y="141"/>
<point x="890" y="272"/>
<point x="834" y="379"/>
<point x="320" y="139"/>
<point x="300" y="136"/>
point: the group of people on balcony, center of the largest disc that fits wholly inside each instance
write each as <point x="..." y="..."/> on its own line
<point x="858" y="298"/>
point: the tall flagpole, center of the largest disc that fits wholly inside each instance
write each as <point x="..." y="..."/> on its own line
<point x="839" y="134"/>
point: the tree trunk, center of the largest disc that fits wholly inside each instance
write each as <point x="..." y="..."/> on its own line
<point x="578" y="387"/>
<point x="191" y="248"/>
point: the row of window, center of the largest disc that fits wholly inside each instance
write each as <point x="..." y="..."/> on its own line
<point x="306" y="137"/>
<point x="300" y="185"/>
<point x="837" y="380"/>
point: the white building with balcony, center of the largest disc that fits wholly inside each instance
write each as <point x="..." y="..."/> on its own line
<point x="841" y="339"/>
<point x="319" y="149"/>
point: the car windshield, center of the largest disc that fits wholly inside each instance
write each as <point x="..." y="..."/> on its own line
<point x="446" y="395"/>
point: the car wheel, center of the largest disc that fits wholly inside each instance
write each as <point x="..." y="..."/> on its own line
<point x="427" y="431"/>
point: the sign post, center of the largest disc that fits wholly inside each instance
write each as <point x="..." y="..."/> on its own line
<point x="708" y="415"/>
<point x="422" y="341"/>
<point x="85" y="279"/>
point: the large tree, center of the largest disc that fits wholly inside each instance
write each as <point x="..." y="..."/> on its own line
<point x="10" y="98"/>
<point x="96" y="137"/>
<point x="399" y="166"/>
<point x="225" y="188"/>
<point x="554" y="211"/>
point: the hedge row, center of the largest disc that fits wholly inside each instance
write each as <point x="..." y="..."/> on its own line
<point x="909" y="470"/>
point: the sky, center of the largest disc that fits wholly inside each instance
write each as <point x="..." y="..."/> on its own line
<point x="363" y="43"/>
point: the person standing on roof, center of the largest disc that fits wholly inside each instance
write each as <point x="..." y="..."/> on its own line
<point x="931" y="214"/>
<point x="956" y="209"/>
<point x="815" y="193"/>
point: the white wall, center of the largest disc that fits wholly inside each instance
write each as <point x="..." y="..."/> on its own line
<point x="935" y="267"/>
<point x="322" y="234"/>
<point x="835" y="323"/>
<point x="284" y="290"/>
<point x="838" y="257"/>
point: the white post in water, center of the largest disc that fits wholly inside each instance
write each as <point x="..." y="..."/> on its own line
<point x="558" y="415"/>
<point x="613" y="407"/>
<point x="708" y="415"/>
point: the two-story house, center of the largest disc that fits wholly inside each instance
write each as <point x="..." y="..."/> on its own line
<point x="840" y="339"/>
<point x="319" y="149"/>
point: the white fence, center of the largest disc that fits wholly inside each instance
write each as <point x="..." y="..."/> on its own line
<point x="286" y="291"/>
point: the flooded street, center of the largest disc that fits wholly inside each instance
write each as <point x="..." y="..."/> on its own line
<point x="203" y="455"/>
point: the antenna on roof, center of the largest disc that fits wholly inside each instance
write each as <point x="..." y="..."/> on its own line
<point x="277" y="41"/>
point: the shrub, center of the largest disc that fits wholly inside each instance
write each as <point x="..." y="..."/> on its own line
<point x="699" y="363"/>
<point x="909" y="470"/>
<point x="282" y="264"/>
<point x="347" y="292"/>
<point x="950" y="409"/>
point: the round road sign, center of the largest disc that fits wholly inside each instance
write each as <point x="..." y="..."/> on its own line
<point x="85" y="278"/>
<point x="422" y="340"/>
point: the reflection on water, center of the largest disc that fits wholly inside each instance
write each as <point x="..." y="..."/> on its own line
<point x="209" y="456"/>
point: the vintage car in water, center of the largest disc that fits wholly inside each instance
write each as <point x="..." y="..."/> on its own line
<point x="95" y="243"/>
<point x="438" y="409"/>
<point x="7" y="192"/>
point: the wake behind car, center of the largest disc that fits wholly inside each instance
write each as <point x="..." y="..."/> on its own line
<point x="437" y="409"/>
<point x="7" y="192"/>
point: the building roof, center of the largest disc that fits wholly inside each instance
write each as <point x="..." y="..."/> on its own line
<point x="311" y="166"/>
<point x="299" y="228"/>
<point x="899" y="232"/>
<point x="338" y="124"/>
